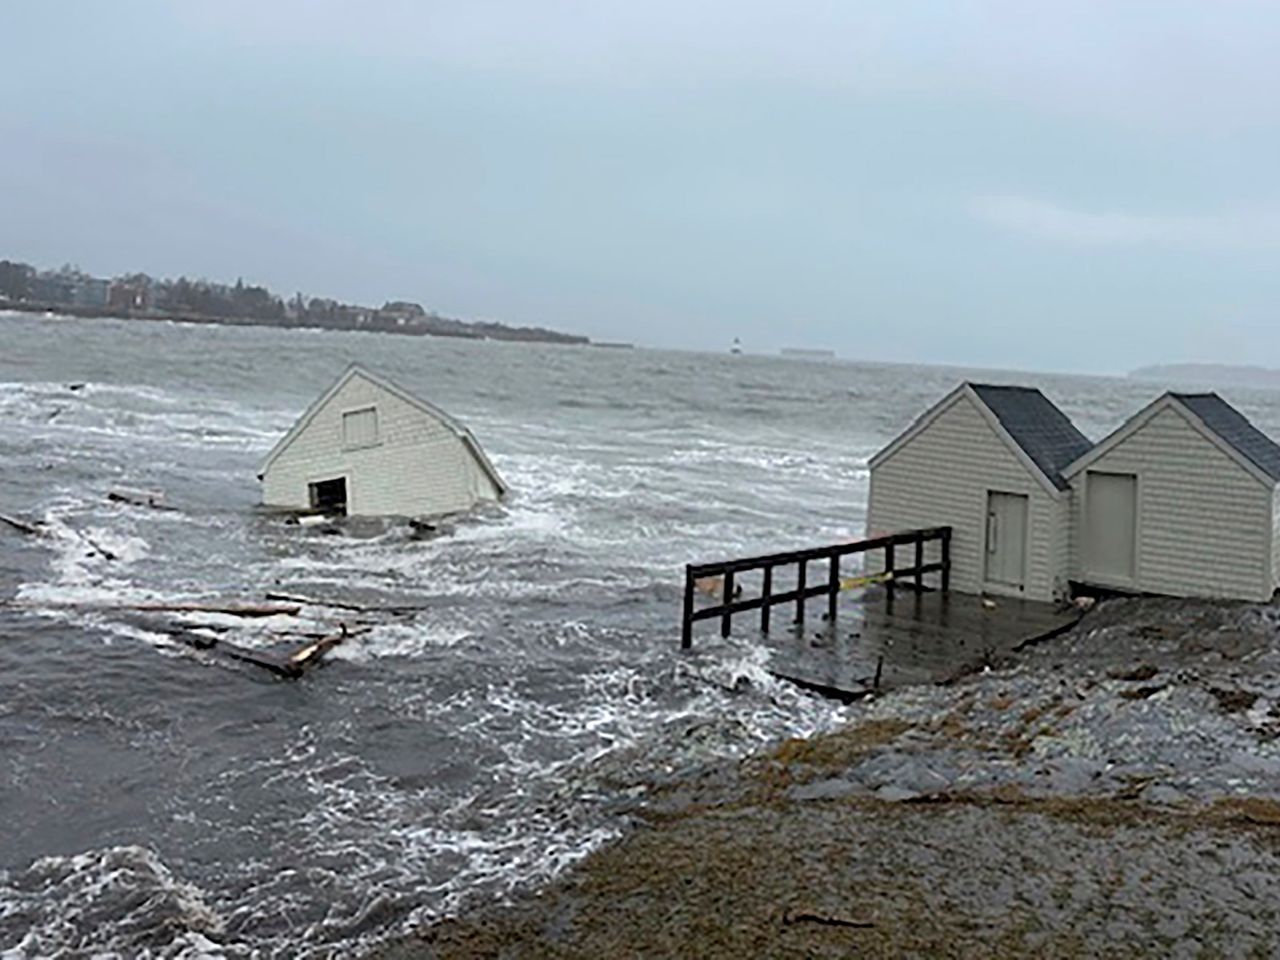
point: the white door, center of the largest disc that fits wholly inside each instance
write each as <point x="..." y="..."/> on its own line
<point x="1007" y="540"/>
<point x="1111" y="526"/>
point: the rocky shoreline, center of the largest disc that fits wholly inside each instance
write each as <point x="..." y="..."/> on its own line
<point x="1112" y="792"/>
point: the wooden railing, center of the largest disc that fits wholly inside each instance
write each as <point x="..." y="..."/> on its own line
<point x="892" y="576"/>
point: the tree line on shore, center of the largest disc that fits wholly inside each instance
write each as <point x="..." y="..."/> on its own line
<point x="138" y="294"/>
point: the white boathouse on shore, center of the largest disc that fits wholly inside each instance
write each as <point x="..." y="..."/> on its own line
<point x="367" y="447"/>
<point x="986" y="461"/>
<point x="1182" y="500"/>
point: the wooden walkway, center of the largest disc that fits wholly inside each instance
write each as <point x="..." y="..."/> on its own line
<point x="880" y="642"/>
<point x="899" y="624"/>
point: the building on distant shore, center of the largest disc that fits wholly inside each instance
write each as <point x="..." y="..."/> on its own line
<point x="50" y="288"/>
<point x="70" y="287"/>
<point x="90" y="292"/>
<point x="129" y="295"/>
<point x="401" y="312"/>
<point x="367" y="447"/>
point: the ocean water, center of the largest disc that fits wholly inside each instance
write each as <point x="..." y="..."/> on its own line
<point x="158" y="801"/>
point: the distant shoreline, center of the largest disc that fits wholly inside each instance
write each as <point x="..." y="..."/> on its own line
<point x="513" y="334"/>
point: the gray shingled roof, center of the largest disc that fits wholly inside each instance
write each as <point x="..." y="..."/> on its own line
<point x="1235" y="430"/>
<point x="1037" y="426"/>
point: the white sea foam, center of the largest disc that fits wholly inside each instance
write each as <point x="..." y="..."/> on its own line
<point x="399" y="640"/>
<point x="63" y="900"/>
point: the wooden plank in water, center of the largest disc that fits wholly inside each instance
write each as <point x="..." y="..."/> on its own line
<point x="230" y="608"/>
<point x="287" y="665"/>
<point x="22" y="526"/>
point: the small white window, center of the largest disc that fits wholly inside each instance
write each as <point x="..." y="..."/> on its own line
<point x="360" y="428"/>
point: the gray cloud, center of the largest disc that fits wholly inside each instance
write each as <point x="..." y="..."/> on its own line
<point x="1046" y="220"/>
<point x="1164" y="63"/>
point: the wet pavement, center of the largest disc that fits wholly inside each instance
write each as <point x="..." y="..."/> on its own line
<point x="885" y="641"/>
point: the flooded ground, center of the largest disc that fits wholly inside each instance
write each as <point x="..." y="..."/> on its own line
<point x="1112" y="792"/>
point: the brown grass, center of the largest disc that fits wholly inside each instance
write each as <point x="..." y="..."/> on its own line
<point x="730" y="882"/>
<point x="1259" y="810"/>
<point x="843" y="747"/>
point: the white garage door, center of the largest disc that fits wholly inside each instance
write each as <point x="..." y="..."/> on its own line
<point x="1111" y="527"/>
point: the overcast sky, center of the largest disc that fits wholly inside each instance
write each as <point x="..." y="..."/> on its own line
<point x="1076" y="185"/>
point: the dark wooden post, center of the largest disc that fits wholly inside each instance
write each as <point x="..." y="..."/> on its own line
<point x="889" y="566"/>
<point x="801" y="585"/>
<point x="686" y="629"/>
<point x="727" y="599"/>
<point x="833" y="587"/>
<point x="919" y="562"/>
<point x="946" y="559"/>
<point x="766" y="597"/>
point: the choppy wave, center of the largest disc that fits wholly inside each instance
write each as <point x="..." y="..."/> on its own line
<point x="65" y="903"/>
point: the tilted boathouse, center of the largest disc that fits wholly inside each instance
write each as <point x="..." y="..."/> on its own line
<point x="367" y="447"/>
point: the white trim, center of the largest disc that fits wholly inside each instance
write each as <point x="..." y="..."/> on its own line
<point x="455" y="427"/>
<point x="926" y="419"/>
<point x="1272" y="582"/>
<point x="1166" y="401"/>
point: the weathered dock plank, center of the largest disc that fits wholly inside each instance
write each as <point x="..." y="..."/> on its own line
<point x="884" y="641"/>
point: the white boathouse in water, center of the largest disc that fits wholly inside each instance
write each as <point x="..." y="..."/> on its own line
<point x="1181" y="500"/>
<point x="367" y="447"/>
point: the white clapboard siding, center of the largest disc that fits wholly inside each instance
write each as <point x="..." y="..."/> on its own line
<point x="941" y="477"/>
<point x="1064" y="538"/>
<point x="1204" y="521"/>
<point x="1275" y="540"/>
<point x="415" y="464"/>
<point x="1075" y="539"/>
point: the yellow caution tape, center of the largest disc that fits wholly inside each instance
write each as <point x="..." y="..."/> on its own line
<point x="852" y="583"/>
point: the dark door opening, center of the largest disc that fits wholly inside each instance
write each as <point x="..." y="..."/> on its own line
<point x="329" y="496"/>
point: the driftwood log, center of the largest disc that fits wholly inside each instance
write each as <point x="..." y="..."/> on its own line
<point x="395" y="610"/>
<point x="38" y="529"/>
<point x="287" y="665"/>
<point x="139" y="498"/>
<point x="314" y="652"/>
<point x="98" y="548"/>
<point x="22" y="526"/>
<point x="230" y="609"/>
